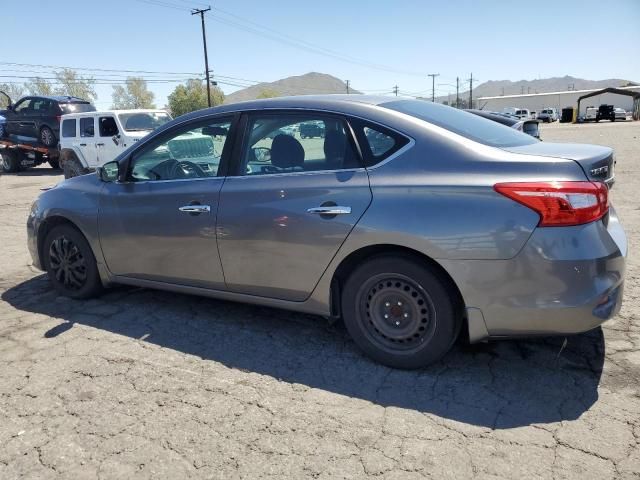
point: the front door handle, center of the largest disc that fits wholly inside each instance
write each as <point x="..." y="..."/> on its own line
<point x="83" y="144"/>
<point x="330" y="210"/>
<point x="99" y="144"/>
<point x="195" y="209"/>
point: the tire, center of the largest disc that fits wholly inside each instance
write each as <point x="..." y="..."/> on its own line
<point x="73" y="168"/>
<point x="47" y="137"/>
<point x="11" y="161"/>
<point x="54" y="163"/>
<point x="70" y="263"/>
<point x="422" y="318"/>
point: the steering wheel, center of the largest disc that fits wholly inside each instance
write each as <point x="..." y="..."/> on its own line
<point x="187" y="169"/>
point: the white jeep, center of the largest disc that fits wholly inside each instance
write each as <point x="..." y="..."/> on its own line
<point x="91" y="139"/>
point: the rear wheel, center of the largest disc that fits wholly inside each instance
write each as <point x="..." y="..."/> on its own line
<point x="11" y="161"/>
<point x="47" y="137"/>
<point x="400" y="312"/>
<point x="70" y="263"/>
<point x="73" y="168"/>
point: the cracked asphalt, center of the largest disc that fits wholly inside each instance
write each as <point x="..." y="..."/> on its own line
<point x="146" y="384"/>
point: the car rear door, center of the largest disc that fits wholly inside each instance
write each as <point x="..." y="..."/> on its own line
<point x="159" y="225"/>
<point x="290" y="205"/>
<point x="87" y="144"/>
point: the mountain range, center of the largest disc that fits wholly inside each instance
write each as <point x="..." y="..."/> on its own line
<point x="317" y="83"/>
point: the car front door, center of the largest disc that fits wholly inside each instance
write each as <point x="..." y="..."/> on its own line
<point x="291" y="204"/>
<point x="108" y="145"/>
<point x="159" y="225"/>
<point x="15" y="118"/>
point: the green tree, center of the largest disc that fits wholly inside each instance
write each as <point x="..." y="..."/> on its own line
<point x="14" y="90"/>
<point x="75" y="85"/>
<point x="193" y="96"/>
<point x="268" y="93"/>
<point x="39" y="86"/>
<point x="134" y="94"/>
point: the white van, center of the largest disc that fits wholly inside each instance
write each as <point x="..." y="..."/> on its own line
<point x="591" y="114"/>
<point x="523" y="114"/>
<point x="91" y="139"/>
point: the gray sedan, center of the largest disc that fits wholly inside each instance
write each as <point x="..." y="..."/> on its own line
<point x="413" y="222"/>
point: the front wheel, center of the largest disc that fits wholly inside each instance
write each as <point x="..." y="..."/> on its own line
<point x="73" y="168"/>
<point x="400" y="312"/>
<point x="70" y="263"/>
<point x="11" y="161"/>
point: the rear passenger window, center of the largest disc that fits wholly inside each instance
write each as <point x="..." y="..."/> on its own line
<point x="69" y="128"/>
<point x="378" y="143"/>
<point x="86" y="127"/>
<point x="292" y="143"/>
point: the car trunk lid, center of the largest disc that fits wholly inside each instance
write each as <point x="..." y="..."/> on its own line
<point x="596" y="161"/>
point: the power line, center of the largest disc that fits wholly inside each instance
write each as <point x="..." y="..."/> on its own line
<point x="59" y="67"/>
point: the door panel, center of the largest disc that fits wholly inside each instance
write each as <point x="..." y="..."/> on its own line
<point x="270" y="245"/>
<point x="143" y="233"/>
<point x="87" y="144"/>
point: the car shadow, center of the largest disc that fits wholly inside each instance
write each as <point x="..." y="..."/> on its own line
<point x="500" y="385"/>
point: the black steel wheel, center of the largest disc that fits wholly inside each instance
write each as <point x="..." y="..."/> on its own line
<point x="398" y="313"/>
<point x="70" y="263"/>
<point x="401" y="311"/>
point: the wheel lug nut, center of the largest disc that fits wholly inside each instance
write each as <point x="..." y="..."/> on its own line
<point x="399" y="304"/>
<point x="397" y="323"/>
<point x="406" y="315"/>
<point x="387" y="304"/>
<point x="386" y="315"/>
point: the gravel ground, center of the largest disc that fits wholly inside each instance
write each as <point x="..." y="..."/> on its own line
<point x="144" y="384"/>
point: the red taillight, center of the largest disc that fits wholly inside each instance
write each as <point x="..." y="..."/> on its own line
<point x="560" y="203"/>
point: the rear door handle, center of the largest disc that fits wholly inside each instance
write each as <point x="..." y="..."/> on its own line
<point x="99" y="144"/>
<point x="83" y="144"/>
<point x="195" y="209"/>
<point x="330" y="210"/>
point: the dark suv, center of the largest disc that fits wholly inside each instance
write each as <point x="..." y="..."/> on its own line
<point x="39" y="117"/>
<point x="606" y="112"/>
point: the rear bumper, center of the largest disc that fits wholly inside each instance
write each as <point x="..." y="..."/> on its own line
<point x="565" y="280"/>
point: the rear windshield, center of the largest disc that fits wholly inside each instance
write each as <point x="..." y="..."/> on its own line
<point x="143" y="121"/>
<point x="77" y="107"/>
<point x="470" y="126"/>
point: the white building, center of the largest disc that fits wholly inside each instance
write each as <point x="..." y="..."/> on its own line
<point x="557" y="100"/>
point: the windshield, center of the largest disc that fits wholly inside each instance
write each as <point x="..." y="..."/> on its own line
<point x="143" y="121"/>
<point x="470" y="126"/>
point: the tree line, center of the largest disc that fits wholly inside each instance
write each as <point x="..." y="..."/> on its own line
<point x="185" y="98"/>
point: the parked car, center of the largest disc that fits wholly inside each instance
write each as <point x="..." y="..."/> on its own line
<point x="606" y="112"/>
<point x="530" y="127"/>
<point x="523" y="114"/>
<point x="548" y="115"/>
<point x="620" y="113"/>
<point x="90" y="139"/>
<point x="38" y="117"/>
<point x="591" y="113"/>
<point x="311" y="130"/>
<point x="454" y="224"/>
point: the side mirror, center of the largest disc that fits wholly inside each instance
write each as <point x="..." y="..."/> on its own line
<point x="262" y="154"/>
<point x="109" y="172"/>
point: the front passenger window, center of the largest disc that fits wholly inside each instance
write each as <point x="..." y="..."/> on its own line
<point x="183" y="154"/>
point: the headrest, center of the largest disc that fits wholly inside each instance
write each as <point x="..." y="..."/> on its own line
<point x="286" y="152"/>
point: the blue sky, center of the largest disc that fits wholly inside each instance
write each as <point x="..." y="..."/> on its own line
<point x="374" y="44"/>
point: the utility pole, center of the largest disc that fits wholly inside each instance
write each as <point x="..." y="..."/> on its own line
<point x="433" y="85"/>
<point x="457" y="92"/>
<point x="528" y="90"/>
<point x="347" y="82"/>
<point x="395" y="90"/>
<point x="521" y="89"/>
<point x="201" y="12"/>
<point x="471" y="80"/>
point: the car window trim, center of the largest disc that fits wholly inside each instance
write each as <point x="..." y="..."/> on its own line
<point x="361" y="124"/>
<point x="242" y="143"/>
<point x="156" y="140"/>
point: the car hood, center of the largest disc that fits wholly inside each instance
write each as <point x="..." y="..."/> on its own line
<point x="596" y="161"/>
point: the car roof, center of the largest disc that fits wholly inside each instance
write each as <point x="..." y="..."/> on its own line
<point x="59" y="98"/>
